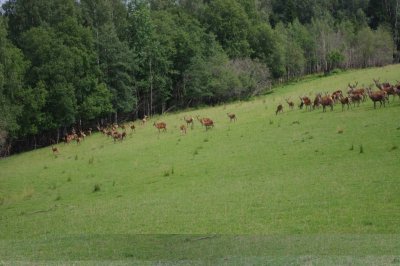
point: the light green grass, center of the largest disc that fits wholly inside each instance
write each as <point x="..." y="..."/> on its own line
<point x="286" y="189"/>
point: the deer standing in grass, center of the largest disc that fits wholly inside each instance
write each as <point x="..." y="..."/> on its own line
<point x="378" y="96"/>
<point x="160" y="125"/>
<point x="290" y="103"/>
<point x="326" y="101"/>
<point x="55" y="149"/>
<point x="386" y="87"/>
<point x="144" y="120"/>
<point x="305" y="101"/>
<point x="232" y="117"/>
<point x="279" y="109"/>
<point x="188" y="121"/>
<point x="207" y="122"/>
<point x="183" y="129"/>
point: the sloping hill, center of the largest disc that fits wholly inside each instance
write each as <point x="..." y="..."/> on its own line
<point x="266" y="188"/>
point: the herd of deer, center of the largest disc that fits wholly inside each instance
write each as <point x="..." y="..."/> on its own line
<point x="354" y="96"/>
<point x="112" y="130"/>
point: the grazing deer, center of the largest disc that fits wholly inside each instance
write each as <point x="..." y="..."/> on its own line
<point x="55" y="149"/>
<point x="279" y="108"/>
<point x="183" y="129"/>
<point x="231" y="116"/>
<point x="160" y="125"/>
<point x="290" y="103"/>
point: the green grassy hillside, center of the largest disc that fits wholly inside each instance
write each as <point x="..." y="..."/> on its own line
<point x="300" y="187"/>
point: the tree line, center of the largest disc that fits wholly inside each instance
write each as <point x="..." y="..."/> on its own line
<point x="77" y="63"/>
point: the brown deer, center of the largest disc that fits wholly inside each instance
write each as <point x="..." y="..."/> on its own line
<point x="160" y="125"/>
<point x="132" y="127"/>
<point x="336" y="95"/>
<point x="317" y="101"/>
<point x="397" y="89"/>
<point x="345" y="101"/>
<point x="183" y="129"/>
<point x="326" y="101"/>
<point x="144" y="120"/>
<point x="378" y="96"/>
<point x="200" y="120"/>
<point x="389" y="89"/>
<point x="119" y="136"/>
<point x="279" y="108"/>
<point x="188" y="121"/>
<point x="352" y="90"/>
<point x="356" y="98"/>
<point x="82" y="135"/>
<point x="305" y="101"/>
<point x="232" y="117"/>
<point x="207" y="122"/>
<point x="55" y="149"/>
<point x="290" y="103"/>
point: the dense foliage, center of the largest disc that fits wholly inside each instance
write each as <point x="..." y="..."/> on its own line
<point x="68" y="62"/>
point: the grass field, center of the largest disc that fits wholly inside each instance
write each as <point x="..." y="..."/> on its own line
<point x="297" y="188"/>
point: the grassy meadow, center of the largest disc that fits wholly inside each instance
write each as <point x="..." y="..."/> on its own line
<point x="294" y="188"/>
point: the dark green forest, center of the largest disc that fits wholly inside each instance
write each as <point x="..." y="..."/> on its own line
<point x="71" y="63"/>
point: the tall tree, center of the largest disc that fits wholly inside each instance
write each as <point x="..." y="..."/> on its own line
<point x="12" y="70"/>
<point x="229" y="22"/>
